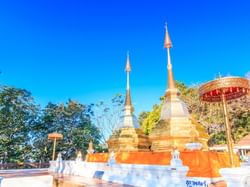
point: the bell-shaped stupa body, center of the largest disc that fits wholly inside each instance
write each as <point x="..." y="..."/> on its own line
<point x="128" y="137"/>
<point x="175" y="128"/>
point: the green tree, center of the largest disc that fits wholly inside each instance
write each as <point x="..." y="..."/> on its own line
<point x="18" y="114"/>
<point x="107" y="116"/>
<point x="73" y="121"/>
<point x="150" y="119"/>
<point x="240" y="118"/>
<point x="142" y="117"/>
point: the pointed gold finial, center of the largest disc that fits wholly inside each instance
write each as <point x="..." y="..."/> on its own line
<point x="90" y="148"/>
<point x="128" y="102"/>
<point x="171" y="89"/>
<point x="128" y="66"/>
<point x="167" y="41"/>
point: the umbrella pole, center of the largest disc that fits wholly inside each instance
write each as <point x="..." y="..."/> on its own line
<point x="54" y="150"/>
<point x="228" y="131"/>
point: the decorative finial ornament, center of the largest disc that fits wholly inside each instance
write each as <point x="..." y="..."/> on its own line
<point x="129" y="119"/>
<point x="128" y="66"/>
<point x="128" y="101"/>
<point x="167" y="41"/>
<point x="90" y="148"/>
<point x="79" y="156"/>
<point x="168" y="45"/>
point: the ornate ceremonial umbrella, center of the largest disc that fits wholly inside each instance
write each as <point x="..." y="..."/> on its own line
<point x="223" y="90"/>
<point x="54" y="136"/>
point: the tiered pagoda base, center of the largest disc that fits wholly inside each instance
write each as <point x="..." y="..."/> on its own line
<point x="176" y="133"/>
<point x="200" y="163"/>
<point x="128" y="139"/>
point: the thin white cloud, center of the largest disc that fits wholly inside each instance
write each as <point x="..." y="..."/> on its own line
<point x="248" y="75"/>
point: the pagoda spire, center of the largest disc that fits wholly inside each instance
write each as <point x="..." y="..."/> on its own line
<point x="128" y="102"/>
<point x="128" y="137"/>
<point x="176" y="128"/>
<point x="171" y="89"/>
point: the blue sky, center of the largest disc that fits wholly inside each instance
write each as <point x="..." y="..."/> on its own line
<point x="76" y="49"/>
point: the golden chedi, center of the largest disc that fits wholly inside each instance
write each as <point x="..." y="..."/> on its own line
<point x="129" y="137"/>
<point x="176" y="128"/>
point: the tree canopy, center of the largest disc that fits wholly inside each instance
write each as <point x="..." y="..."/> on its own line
<point x="18" y="115"/>
<point x="73" y="121"/>
<point x="24" y="127"/>
<point x="107" y="116"/>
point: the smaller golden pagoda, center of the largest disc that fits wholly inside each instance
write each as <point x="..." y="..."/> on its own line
<point x="176" y="127"/>
<point x="90" y="148"/>
<point x="129" y="137"/>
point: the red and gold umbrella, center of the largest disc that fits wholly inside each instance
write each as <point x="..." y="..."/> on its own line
<point x="223" y="90"/>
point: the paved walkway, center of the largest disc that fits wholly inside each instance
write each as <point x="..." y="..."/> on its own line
<point x="23" y="173"/>
<point x="77" y="181"/>
<point x="65" y="181"/>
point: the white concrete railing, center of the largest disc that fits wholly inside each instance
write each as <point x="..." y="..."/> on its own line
<point x="239" y="177"/>
<point x="130" y="174"/>
<point x="150" y="175"/>
<point x="147" y="175"/>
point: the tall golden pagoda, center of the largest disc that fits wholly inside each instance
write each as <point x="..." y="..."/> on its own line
<point x="176" y="128"/>
<point x="129" y="137"/>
